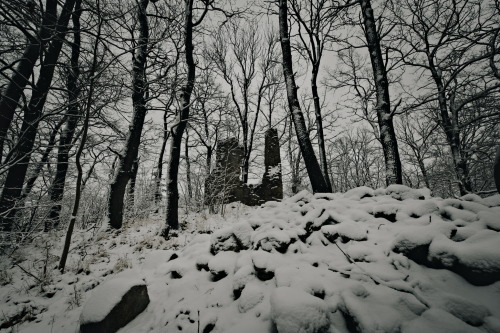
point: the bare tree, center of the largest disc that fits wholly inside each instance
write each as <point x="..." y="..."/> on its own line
<point x="383" y="103"/>
<point x="130" y="153"/>
<point x="318" y="182"/>
<point x="417" y="133"/>
<point x="172" y="206"/>
<point x="355" y="160"/>
<point x="246" y="60"/>
<point x="25" y="64"/>
<point x="79" y="179"/>
<point x="71" y="119"/>
<point x="316" y="23"/>
<point x="211" y="111"/>
<point x="32" y="115"/>
<point x="448" y="44"/>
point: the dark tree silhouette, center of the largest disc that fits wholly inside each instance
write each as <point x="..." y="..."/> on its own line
<point x="388" y="139"/>
<point x="33" y="112"/>
<point x="131" y="150"/>
<point x="316" y="178"/>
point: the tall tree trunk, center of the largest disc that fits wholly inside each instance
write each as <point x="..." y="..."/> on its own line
<point x="388" y="139"/>
<point x="172" y="207"/>
<point x="208" y="163"/>
<point x="159" y="164"/>
<point x="323" y="163"/>
<point x="423" y="169"/>
<point x="79" y="179"/>
<point x="32" y="114"/>
<point x="245" y="163"/>
<point x="24" y="70"/>
<point x="131" y="185"/>
<point x="208" y="160"/>
<point x="188" y="166"/>
<point x="123" y="173"/>
<point x="65" y="140"/>
<point x="316" y="178"/>
<point x="496" y="169"/>
<point x="450" y="126"/>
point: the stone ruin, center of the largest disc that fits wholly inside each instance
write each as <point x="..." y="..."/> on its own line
<point x="224" y="184"/>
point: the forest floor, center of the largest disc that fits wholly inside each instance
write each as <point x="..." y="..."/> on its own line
<point x="386" y="260"/>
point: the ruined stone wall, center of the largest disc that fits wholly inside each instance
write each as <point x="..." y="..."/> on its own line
<point x="224" y="184"/>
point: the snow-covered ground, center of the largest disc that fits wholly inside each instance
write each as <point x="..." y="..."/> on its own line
<point x="386" y="260"/>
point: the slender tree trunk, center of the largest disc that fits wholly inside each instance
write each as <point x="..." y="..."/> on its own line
<point x="452" y="133"/>
<point x="316" y="178"/>
<point x="188" y="167"/>
<point x="32" y="114"/>
<point x="208" y="160"/>
<point x="208" y="163"/>
<point x="246" y="154"/>
<point x="65" y="140"/>
<point x="388" y="139"/>
<point x="123" y="173"/>
<point x="79" y="179"/>
<point x="24" y="70"/>
<point x="78" y="190"/>
<point x="496" y="169"/>
<point x="423" y="169"/>
<point x="323" y="162"/>
<point x="159" y="164"/>
<point x="131" y="185"/>
<point x="172" y="207"/>
<point x="45" y="158"/>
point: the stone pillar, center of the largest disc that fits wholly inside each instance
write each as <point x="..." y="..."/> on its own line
<point x="225" y="178"/>
<point x="272" y="183"/>
<point x="224" y="185"/>
<point x="228" y="160"/>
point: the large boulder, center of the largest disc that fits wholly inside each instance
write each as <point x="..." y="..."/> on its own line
<point x="113" y="305"/>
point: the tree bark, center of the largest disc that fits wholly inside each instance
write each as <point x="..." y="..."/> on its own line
<point x="159" y="164"/>
<point x="125" y="165"/>
<point x="56" y="191"/>
<point x="323" y="162"/>
<point x="131" y="185"/>
<point x="24" y="70"/>
<point x="451" y="130"/>
<point x="32" y="114"/>
<point x="172" y="206"/>
<point x="188" y="167"/>
<point x="388" y="139"/>
<point x="496" y="169"/>
<point x="79" y="179"/>
<point x="423" y="169"/>
<point x="316" y="178"/>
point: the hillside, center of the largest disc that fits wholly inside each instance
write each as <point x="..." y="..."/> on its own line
<point x="385" y="260"/>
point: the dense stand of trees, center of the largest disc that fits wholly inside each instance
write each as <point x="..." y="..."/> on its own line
<point x="362" y="93"/>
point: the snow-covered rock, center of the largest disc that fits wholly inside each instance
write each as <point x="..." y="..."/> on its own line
<point x="477" y="258"/>
<point x="402" y="261"/>
<point x="293" y="310"/>
<point x="113" y="305"/>
<point x="439" y="321"/>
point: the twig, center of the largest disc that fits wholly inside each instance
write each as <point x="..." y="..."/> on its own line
<point x="25" y="271"/>
<point x="378" y="281"/>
